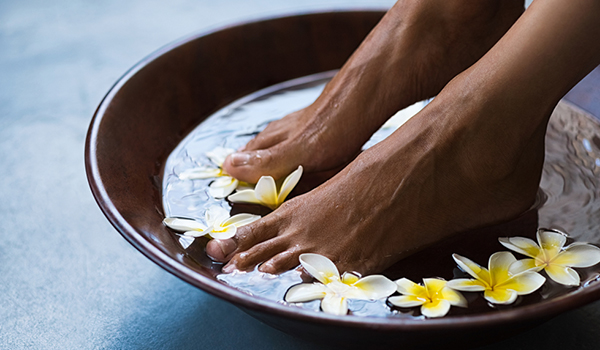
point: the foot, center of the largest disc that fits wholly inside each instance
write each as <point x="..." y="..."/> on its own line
<point x="437" y="175"/>
<point x="411" y="54"/>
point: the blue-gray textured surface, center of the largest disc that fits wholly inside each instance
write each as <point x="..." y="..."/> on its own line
<point x="67" y="278"/>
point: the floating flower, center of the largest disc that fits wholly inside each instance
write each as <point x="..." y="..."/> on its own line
<point x="219" y="224"/>
<point x="501" y="284"/>
<point x="434" y="296"/>
<point x="224" y="184"/>
<point x="334" y="290"/>
<point x="550" y="256"/>
<point x="265" y="192"/>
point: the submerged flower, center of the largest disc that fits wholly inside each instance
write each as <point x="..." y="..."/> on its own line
<point x="219" y="224"/>
<point x="434" y="296"/>
<point x="501" y="284"/>
<point x="224" y="184"/>
<point x="265" y="192"/>
<point x="333" y="290"/>
<point x="550" y="256"/>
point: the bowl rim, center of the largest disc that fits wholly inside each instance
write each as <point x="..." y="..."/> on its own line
<point x="542" y="310"/>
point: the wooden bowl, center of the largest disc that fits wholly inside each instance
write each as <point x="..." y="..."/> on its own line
<point x="157" y="102"/>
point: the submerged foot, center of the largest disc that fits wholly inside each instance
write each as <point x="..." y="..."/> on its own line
<point x="411" y="54"/>
<point x="472" y="157"/>
<point x="437" y="175"/>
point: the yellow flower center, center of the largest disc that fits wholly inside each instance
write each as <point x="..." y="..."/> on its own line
<point x="219" y="228"/>
<point x="329" y="277"/>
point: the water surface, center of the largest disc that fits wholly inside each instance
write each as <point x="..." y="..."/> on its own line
<point x="569" y="198"/>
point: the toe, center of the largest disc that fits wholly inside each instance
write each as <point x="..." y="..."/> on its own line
<point x="281" y="262"/>
<point x="248" y="259"/>
<point x="278" y="162"/>
<point x="277" y="131"/>
<point x="221" y="249"/>
<point x="265" y="140"/>
<point x="246" y="237"/>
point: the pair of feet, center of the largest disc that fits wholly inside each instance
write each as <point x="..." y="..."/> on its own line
<point x="458" y="164"/>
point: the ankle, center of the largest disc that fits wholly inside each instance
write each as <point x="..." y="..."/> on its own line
<point x="508" y="108"/>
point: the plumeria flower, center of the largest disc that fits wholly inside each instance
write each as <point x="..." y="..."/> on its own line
<point x="551" y="257"/>
<point x="434" y="296"/>
<point x="224" y="184"/>
<point x="266" y="193"/>
<point x="219" y="225"/>
<point x="333" y="290"/>
<point x="500" y="283"/>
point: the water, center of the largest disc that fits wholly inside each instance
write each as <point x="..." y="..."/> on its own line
<point x="569" y="197"/>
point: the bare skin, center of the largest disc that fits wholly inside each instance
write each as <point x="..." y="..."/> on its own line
<point x="411" y="54"/>
<point x="471" y="158"/>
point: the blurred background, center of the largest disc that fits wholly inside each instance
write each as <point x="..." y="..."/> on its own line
<point x="67" y="278"/>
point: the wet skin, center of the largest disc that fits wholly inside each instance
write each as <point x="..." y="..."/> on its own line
<point x="472" y="157"/>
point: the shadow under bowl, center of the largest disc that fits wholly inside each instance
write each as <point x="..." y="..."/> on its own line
<point x="161" y="99"/>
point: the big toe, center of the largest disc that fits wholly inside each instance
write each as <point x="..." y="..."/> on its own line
<point x="249" y="166"/>
<point x="221" y="250"/>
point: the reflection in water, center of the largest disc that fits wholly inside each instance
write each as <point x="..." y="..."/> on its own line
<point x="568" y="200"/>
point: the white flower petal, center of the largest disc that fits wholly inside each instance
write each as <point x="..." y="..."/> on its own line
<point x="199" y="173"/>
<point x="244" y="196"/>
<point x="215" y="215"/>
<point x="466" y="285"/>
<point x="434" y="285"/>
<point x="222" y="187"/>
<point x="184" y="224"/>
<point x="455" y="298"/>
<point x="319" y="267"/>
<point x="437" y="308"/>
<point x="472" y="268"/>
<point x="406" y="301"/>
<point x="523" y="265"/>
<point x="266" y="191"/>
<point x="186" y="241"/>
<point x="578" y="255"/>
<point x="227" y="232"/>
<point x="408" y="287"/>
<point x="499" y="264"/>
<point x="521" y="245"/>
<point x="305" y="292"/>
<point x="501" y="261"/>
<point x="195" y="234"/>
<point x="500" y="296"/>
<point x="551" y="241"/>
<point x="334" y="304"/>
<point x="373" y="287"/>
<point x="289" y="183"/>
<point x="524" y="283"/>
<point x="244" y="186"/>
<point x="241" y="219"/>
<point x="338" y="287"/>
<point x="563" y="275"/>
<point x="218" y="155"/>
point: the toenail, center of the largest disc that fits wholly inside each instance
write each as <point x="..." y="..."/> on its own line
<point x="227" y="246"/>
<point x="228" y="268"/>
<point x="266" y="267"/>
<point x="238" y="159"/>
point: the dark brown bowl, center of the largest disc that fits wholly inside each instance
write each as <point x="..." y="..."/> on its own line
<point x="156" y="103"/>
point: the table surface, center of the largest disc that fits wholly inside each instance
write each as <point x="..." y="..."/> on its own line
<point x="68" y="280"/>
